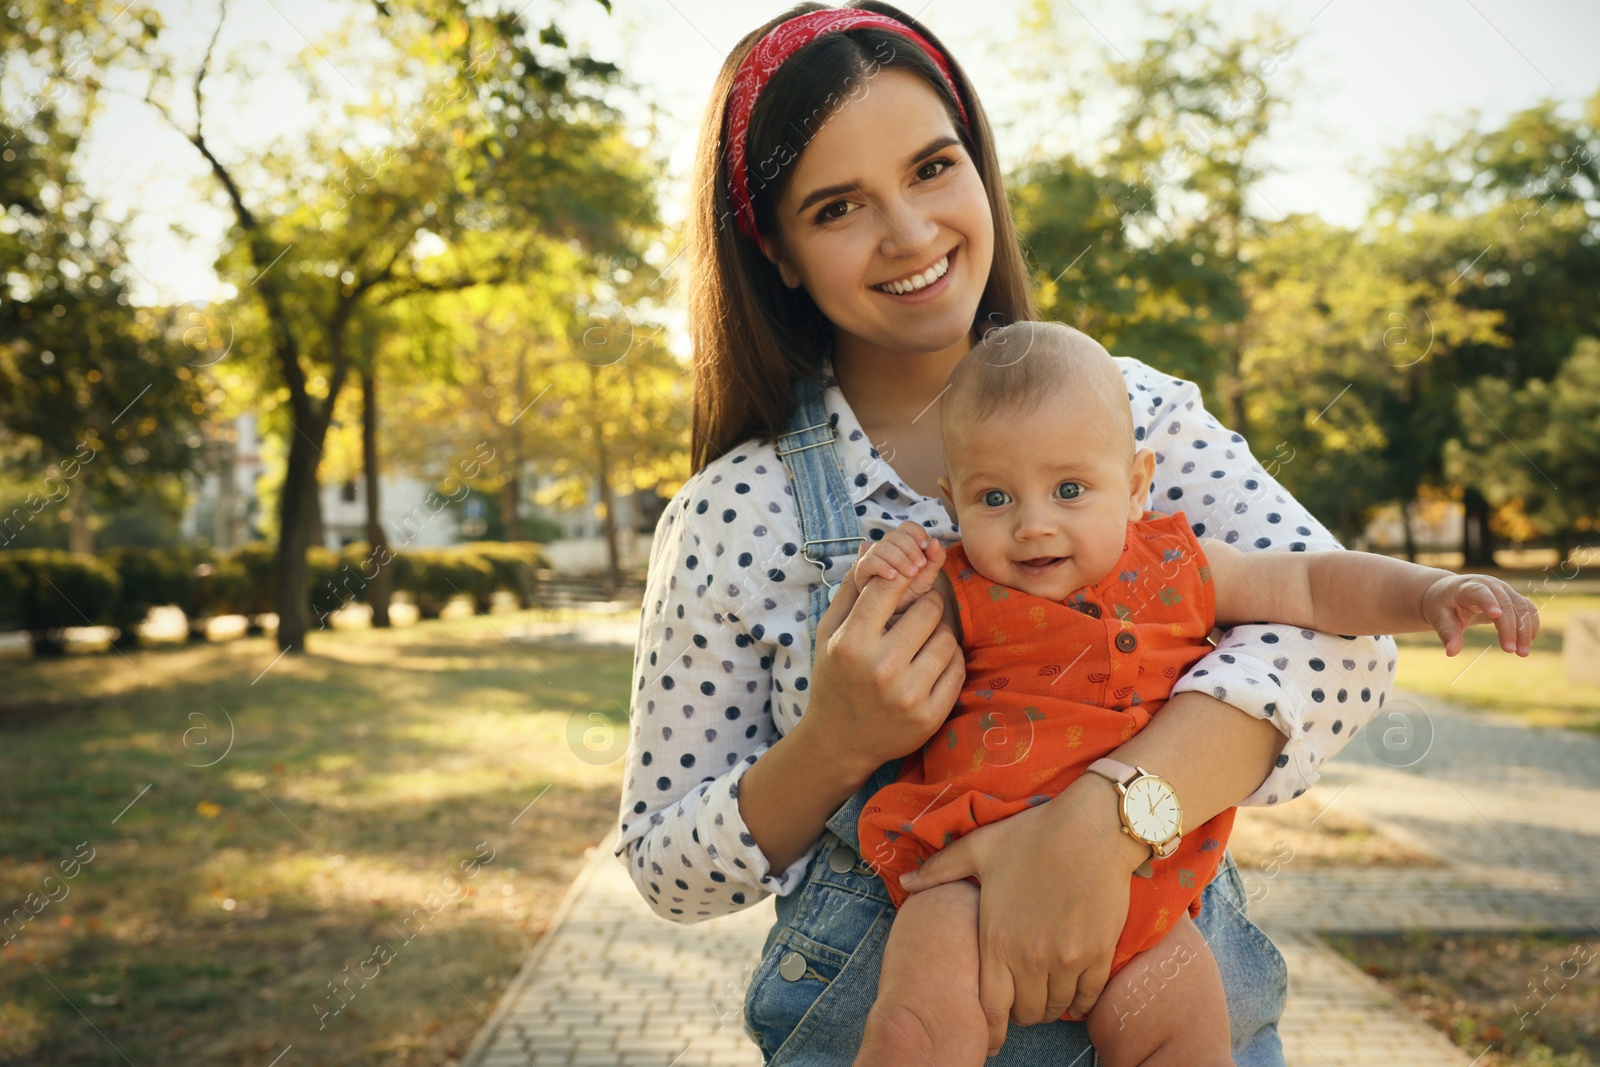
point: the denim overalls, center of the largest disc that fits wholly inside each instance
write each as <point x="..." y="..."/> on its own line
<point x="808" y="999"/>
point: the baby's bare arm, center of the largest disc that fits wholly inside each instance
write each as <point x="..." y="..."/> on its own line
<point x="1364" y="593"/>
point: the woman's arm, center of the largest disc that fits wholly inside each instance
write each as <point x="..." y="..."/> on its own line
<point x="1316" y="690"/>
<point x="680" y="832"/>
<point x="882" y="682"/>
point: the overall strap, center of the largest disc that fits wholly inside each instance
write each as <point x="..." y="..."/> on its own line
<point x="828" y="522"/>
<point x="828" y="526"/>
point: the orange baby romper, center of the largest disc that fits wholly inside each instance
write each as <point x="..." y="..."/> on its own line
<point x="1050" y="688"/>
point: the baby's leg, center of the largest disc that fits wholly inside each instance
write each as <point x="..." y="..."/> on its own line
<point x="927" y="1011"/>
<point x="1166" y="1008"/>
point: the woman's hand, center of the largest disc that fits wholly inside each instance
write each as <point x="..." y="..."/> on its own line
<point x="1055" y="884"/>
<point x="880" y="690"/>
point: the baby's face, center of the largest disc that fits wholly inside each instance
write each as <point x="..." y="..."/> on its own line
<point x="1044" y="500"/>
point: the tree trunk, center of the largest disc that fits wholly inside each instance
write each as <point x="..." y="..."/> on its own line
<point x="608" y="503"/>
<point x="1236" y="405"/>
<point x="224" y="524"/>
<point x="380" y="588"/>
<point x="317" y="534"/>
<point x="80" y="536"/>
<point x="1564" y="538"/>
<point x="294" y="537"/>
<point x="510" y="499"/>
<point x="511" y="492"/>
<point x="1477" y="540"/>
<point x="1405" y="526"/>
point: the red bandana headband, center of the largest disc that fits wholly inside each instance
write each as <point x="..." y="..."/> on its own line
<point x="770" y="53"/>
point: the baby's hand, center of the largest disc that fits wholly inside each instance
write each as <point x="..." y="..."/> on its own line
<point x="907" y="551"/>
<point x="1461" y="600"/>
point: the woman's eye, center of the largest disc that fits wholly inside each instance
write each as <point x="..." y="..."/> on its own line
<point x="1072" y="489"/>
<point x="994" y="498"/>
<point x="836" y="210"/>
<point x="933" y="168"/>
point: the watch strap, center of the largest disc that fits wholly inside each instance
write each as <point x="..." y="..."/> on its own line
<point x="1115" y="770"/>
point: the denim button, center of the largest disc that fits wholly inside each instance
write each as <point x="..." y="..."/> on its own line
<point x="1126" y="641"/>
<point x="792" y="966"/>
<point x="841" y="859"/>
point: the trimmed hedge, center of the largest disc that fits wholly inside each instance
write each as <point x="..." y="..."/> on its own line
<point x="150" y="578"/>
<point x="44" y="591"/>
<point x="217" y="589"/>
<point x="515" y="564"/>
<point x="432" y="577"/>
<point x="258" y="561"/>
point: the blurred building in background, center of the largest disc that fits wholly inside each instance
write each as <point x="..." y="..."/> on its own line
<point x="226" y="510"/>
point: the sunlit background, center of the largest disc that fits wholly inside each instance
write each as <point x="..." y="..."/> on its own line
<point x="335" y="429"/>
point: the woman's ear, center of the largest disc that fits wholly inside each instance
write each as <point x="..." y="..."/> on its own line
<point x="774" y="253"/>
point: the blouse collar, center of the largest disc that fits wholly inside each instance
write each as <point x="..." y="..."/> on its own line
<point x="865" y="472"/>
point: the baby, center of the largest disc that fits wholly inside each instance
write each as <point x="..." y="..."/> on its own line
<point x="1077" y="611"/>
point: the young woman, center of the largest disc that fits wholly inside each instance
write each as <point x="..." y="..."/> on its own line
<point x="850" y="240"/>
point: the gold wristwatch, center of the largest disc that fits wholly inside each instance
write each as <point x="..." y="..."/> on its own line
<point x="1149" y="808"/>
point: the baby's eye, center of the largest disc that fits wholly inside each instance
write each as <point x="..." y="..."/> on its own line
<point x="1073" y="489"/>
<point x="990" y="501"/>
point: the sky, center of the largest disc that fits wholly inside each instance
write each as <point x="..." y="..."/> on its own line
<point x="1366" y="76"/>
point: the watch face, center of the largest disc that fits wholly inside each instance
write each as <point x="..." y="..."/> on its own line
<point x="1152" y="810"/>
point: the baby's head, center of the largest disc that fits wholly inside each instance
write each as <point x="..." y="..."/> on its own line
<point x="1040" y="460"/>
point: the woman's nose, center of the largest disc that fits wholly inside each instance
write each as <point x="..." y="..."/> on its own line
<point x="910" y="230"/>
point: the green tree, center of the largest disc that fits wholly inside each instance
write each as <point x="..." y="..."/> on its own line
<point x="1349" y="367"/>
<point x="1140" y="243"/>
<point x="495" y="146"/>
<point x="575" y="384"/>
<point x="1536" y="446"/>
<point x="96" y="396"/>
<point x="1508" y="220"/>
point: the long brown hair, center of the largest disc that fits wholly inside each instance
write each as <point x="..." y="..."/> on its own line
<point x="754" y="338"/>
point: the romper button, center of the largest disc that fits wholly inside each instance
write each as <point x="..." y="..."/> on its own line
<point x="1127" y="642"/>
<point x="841" y="859"/>
<point x="792" y="966"/>
<point x="1092" y="610"/>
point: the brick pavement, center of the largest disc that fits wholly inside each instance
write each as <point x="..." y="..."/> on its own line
<point x="1513" y="813"/>
<point x="612" y="984"/>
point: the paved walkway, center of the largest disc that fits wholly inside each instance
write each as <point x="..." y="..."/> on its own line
<point x="612" y="985"/>
<point x="1512" y="813"/>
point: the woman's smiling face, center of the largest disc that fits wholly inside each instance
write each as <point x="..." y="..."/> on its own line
<point x="886" y="224"/>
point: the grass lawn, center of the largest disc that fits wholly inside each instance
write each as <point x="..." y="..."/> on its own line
<point x="1519" y="1001"/>
<point x="1534" y="689"/>
<point x="229" y="902"/>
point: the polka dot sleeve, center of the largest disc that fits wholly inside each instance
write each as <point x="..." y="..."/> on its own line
<point x="700" y="716"/>
<point x="1318" y="689"/>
